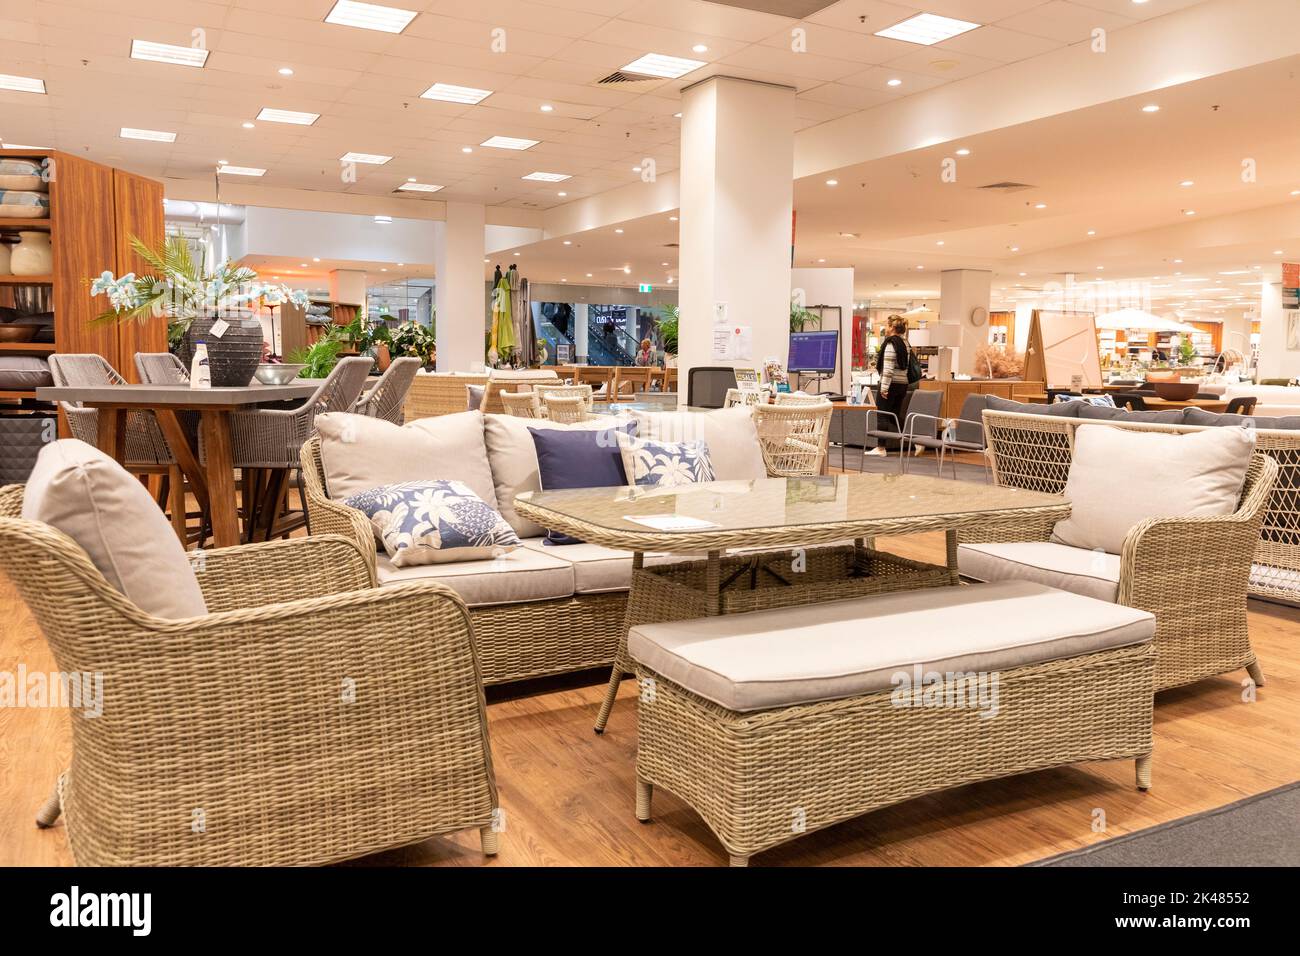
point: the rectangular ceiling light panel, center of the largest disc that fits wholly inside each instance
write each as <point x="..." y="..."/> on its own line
<point x="370" y="16"/>
<point x="927" y="29"/>
<point x="661" y="65"/>
<point x="448" y="93"/>
<point x="168" y="53"/>
<point x="287" y="116"/>
<point x="509" y="142"/>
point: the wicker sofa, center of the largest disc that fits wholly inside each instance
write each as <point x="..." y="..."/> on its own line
<point x="555" y="609"/>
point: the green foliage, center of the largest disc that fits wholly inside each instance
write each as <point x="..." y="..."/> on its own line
<point x="412" y="338"/>
<point x="669" y="317"/>
<point x="800" y="317"/>
<point x="1187" y="350"/>
<point x="319" y="358"/>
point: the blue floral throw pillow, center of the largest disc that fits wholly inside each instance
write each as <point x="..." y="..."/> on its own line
<point x="665" y="464"/>
<point x="429" y="522"/>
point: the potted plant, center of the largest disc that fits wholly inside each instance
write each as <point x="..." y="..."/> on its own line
<point x="666" y="324"/>
<point x="194" y="301"/>
<point x="412" y="338"/>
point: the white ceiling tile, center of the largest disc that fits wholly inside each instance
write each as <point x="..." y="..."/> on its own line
<point x="996" y="43"/>
<point x="794" y="64"/>
<point x="712" y="19"/>
<point x="980" y="11"/>
<point x="523" y="15"/>
<point x="864" y="16"/>
<point x="943" y="64"/>
<point x="878" y="77"/>
<point x="645" y="38"/>
<point x="1066" y="22"/>
<point x="860" y="48"/>
<point x="850" y="97"/>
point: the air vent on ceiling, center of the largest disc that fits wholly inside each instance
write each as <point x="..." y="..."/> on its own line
<point x="619" y="76"/>
<point x="1007" y="187"/>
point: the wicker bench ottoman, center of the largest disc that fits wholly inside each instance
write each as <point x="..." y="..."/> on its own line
<point x="772" y="724"/>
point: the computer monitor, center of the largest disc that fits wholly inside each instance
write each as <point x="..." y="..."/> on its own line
<point x="814" y="352"/>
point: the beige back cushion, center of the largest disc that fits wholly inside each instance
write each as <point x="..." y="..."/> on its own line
<point x="359" y="453"/>
<point x="1119" y="477"/>
<point x="514" y="461"/>
<point x="98" y="504"/>
<point x="734" y="450"/>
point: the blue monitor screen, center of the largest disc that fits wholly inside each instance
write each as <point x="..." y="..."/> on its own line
<point x="814" y="351"/>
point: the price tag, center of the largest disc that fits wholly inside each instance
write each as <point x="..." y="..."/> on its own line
<point x="219" y="328"/>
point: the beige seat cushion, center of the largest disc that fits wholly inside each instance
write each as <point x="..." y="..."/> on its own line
<point x="524" y="574"/>
<point x="359" y="452"/>
<point x="734" y="450"/>
<point x="98" y="504"/>
<point x="1093" y="574"/>
<point x="1119" y="478"/>
<point x="767" y="659"/>
<point x="597" y="569"/>
<point x="513" y="458"/>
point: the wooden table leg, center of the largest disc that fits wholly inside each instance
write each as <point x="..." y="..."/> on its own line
<point x="215" y="428"/>
<point x="185" y="456"/>
<point x="111" y="437"/>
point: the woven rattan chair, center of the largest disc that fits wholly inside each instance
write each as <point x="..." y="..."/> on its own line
<point x="386" y="399"/>
<point x="737" y="397"/>
<point x="547" y="392"/>
<point x="793" y="438"/>
<point x="308" y="717"/>
<point x="1194" y="574"/>
<point x="566" y="409"/>
<point x="512" y="380"/>
<point x="794" y="398"/>
<point x="521" y="404"/>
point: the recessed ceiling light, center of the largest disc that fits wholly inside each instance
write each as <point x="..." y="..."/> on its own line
<point x="248" y="125"/>
<point x="226" y="170"/>
<point x="154" y="135"/>
<point x="832" y="182"/>
<point x="1187" y="182"/>
<point x="1100" y="268"/>
<point x="1092" y="232"/>
<point x="285" y="71"/>
<point x="963" y="151"/>
<point x="419" y="187"/>
<point x="663" y="263"/>
<point x="926" y="29"/>
<point x="699" y="48"/>
<point x="920" y="267"/>
<point x="1151" y="108"/>
<point x="1295" y="192"/>
<point x="547" y="108"/>
<point x="627" y="270"/>
<point x="1178" y="261"/>
<point x="588" y="275"/>
<point x="315" y="258"/>
<point x="894" y="82"/>
<point x="516" y="253"/>
<point x="636" y="169"/>
<point x="167" y="53"/>
<point x="370" y="159"/>
<point x="939" y="242"/>
<point x="661" y="65"/>
<point x="1189" y="212"/>
<point x="383" y="220"/>
<point x="287" y="116"/>
<point x="1040" y="205"/>
<point x="821" y="260"/>
<point x="447" y="93"/>
<point x="467" y="149"/>
<point x="677" y="116"/>
<point x="547" y="177"/>
<point x="370" y="16"/>
<point x="509" y="142"/>
<point x="21" y="84"/>
<point x="383" y="270"/>
<point x="619" y="231"/>
<point x="561" y="193"/>
<point x="1015" y="248"/>
<point x="302" y="265"/>
<point x="564" y="280"/>
<point x="1024" y="273"/>
<point x="568" y="242"/>
<point x="400" y="264"/>
<point x="1277" y="252"/>
<point x="410" y="179"/>
<point x="672" y="218"/>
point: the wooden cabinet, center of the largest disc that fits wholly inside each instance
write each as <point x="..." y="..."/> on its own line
<point x="956" y="392"/>
<point x="94" y="211"/>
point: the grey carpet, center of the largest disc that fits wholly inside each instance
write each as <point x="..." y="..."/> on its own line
<point x="1263" y="830"/>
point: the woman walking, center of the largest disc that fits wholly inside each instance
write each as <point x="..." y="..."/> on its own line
<point x="891" y="363"/>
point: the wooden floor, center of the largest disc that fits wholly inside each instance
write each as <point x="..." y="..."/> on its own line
<point x="568" y="794"/>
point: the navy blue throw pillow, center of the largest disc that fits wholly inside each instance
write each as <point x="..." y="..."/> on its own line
<point x="579" y="458"/>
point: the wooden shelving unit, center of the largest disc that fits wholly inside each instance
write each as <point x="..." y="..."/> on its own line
<point x="94" y="212"/>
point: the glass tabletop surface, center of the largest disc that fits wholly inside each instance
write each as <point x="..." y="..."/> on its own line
<point x="775" y="503"/>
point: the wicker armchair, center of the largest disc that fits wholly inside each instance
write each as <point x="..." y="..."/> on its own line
<point x="793" y="438"/>
<point x="1193" y="574"/>
<point x="309" y="717"/>
<point x="565" y="410"/>
<point x="387" y="398"/>
<point x="547" y="392"/>
<point x="521" y="404"/>
<point x="794" y="398"/>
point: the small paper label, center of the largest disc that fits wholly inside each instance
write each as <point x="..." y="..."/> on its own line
<point x="219" y="328"/>
<point x="670" y="522"/>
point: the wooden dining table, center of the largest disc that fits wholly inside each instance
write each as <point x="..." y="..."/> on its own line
<point x="213" y="482"/>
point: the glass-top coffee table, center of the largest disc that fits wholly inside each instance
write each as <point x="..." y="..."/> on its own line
<point x="788" y="539"/>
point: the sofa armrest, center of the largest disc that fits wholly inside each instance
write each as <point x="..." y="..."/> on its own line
<point x="327" y="516"/>
<point x="255" y="575"/>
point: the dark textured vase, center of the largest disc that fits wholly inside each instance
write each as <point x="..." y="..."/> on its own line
<point x="234" y="356"/>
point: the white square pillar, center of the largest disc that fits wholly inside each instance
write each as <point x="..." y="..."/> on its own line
<point x="460" y="290"/>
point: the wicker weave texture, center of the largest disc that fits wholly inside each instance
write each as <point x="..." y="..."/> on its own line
<point x="439" y="394"/>
<point x="761" y="779"/>
<point x="342" y="721"/>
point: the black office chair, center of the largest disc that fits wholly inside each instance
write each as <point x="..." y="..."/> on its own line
<point x="1242" y="405"/>
<point x="706" y="385"/>
<point x="1133" y="400"/>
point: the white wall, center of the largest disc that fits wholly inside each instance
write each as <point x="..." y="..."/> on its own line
<point x="1275" y="360"/>
<point x="830" y="287"/>
<point x="295" y="233"/>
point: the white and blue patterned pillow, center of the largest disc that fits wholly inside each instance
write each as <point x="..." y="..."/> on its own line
<point x="430" y="522"/>
<point x="650" y="463"/>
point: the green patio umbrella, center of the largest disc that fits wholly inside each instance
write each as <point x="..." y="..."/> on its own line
<point x="503" y="329"/>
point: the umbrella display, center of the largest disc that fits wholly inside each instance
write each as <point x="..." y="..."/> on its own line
<point x="503" y="332"/>
<point x="1136" y="320"/>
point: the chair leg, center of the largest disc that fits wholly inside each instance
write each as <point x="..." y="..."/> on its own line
<point x="302" y="501"/>
<point x="50" y="810"/>
<point x="644" y="794"/>
<point x="738" y="859"/>
<point x="1256" y="673"/>
<point x="611" y="692"/>
<point x="490" y="840"/>
<point x="1143" y="768"/>
<point x="176" y="503"/>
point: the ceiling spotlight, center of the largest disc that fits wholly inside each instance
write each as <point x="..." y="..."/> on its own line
<point x="627" y="270"/>
<point x="821" y="260"/>
<point x="315" y="258"/>
<point x="1015" y="248"/>
<point x="302" y="265"/>
<point x="1092" y="232"/>
<point x="619" y="231"/>
<point x="248" y="125"/>
<point x="285" y="71"/>
<point x="1040" y="205"/>
<point x="1277" y="252"/>
<point x="1151" y="108"/>
<point x="1187" y="182"/>
<point x="939" y="242"/>
<point x="588" y="275"/>
<point x="561" y="193"/>
<point x="699" y="48"/>
<point x="832" y="182"/>
<point x="963" y="152"/>
<point x="547" y="108"/>
<point x="1178" y="262"/>
<point x="672" y="218"/>
<point x="894" y="82"/>
<point x="920" y="267"/>
<point x="568" y="242"/>
<point x="1189" y="212"/>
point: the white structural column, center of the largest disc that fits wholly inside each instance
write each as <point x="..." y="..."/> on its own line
<point x="1276" y="360"/>
<point x="961" y="292"/>
<point x="348" y="286"/>
<point x="737" y="189"/>
<point x="461" y="291"/>
<point x="580" y="318"/>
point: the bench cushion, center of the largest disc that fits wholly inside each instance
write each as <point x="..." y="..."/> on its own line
<point x="525" y="574"/>
<point x="597" y="569"/>
<point x="766" y="659"/>
<point x="1093" y="574"/>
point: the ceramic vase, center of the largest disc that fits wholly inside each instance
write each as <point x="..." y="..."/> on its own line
<point x="33" y="255"/>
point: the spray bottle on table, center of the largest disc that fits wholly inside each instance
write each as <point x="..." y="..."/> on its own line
<point x="200" y="371"/>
